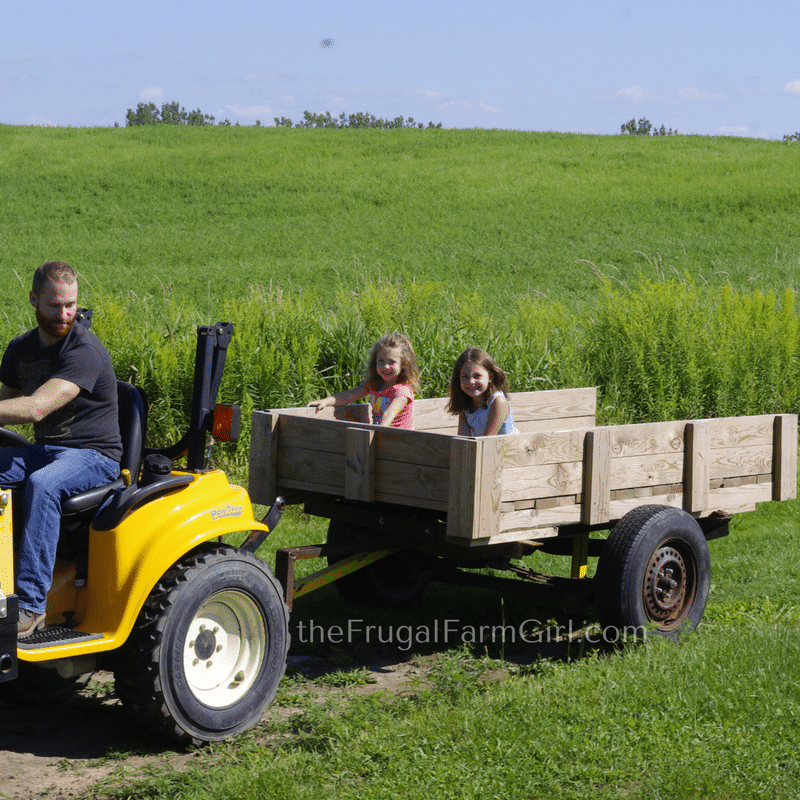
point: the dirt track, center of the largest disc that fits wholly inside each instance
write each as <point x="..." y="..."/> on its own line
<point x="62" y="752"/>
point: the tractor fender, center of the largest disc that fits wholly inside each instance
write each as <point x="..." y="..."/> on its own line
<point x="126" y="562"/>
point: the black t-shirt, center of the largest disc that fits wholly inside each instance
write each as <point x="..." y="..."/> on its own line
<point x="91" y="420"/>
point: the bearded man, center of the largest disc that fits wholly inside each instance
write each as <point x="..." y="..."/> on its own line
<point x="58" y="377"/>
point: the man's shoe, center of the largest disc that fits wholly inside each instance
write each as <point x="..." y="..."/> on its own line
<point x="29" y="622"/>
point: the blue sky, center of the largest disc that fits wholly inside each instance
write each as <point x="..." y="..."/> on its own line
<point x="706" y="67"/>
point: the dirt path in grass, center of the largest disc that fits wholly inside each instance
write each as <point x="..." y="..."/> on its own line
<point x="63" y="751"/>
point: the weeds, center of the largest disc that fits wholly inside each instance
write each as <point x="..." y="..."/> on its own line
<point x="657" y="349"/>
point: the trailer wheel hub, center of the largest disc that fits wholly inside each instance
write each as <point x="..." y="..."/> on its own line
<point x="665" y="584"/>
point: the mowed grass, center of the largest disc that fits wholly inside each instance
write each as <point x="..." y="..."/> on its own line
<point x="714" y="716"/>
<point x="206" y="212"/>
<point x="664" y="271"/>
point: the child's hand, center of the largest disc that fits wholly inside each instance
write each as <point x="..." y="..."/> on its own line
<point x="323" y="403"/>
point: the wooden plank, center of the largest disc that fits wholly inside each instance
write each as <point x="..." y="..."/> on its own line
<point x="461" y="489"/>
<point x="413" y="447"/>
<point x="314" y="470"/>
<point x="309" y="433"/>
<point x="475" y="486"/>
<point x="430" y="415"/>
<point x="739" y="499"/>
<point x="546" y="480"/>
<point x="617" y="509"/>
<point x="505" y="538"/>
<point x="696" y="467"/>
<point x="651" y="470"/>
<point x="355" y="412"/>
<point x="647" y="439"/>
<point x="735" y="500"/>
<point x="554" y="404"/>
<point x="531" y="519"/>
<point x="785" y="457"/>
<point x="596" y="476"/>
<point x="550" y="447"/>
<point x="263" y="458"/>
<point x="543" y="425"/>
<point x="417" y="484"/>
<point x="736" y="432"/>
<point x="359" y="466"/>
<point x="532" y="411"/>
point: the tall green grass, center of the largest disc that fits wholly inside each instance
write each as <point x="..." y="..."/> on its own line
<point x="656" y="348"/>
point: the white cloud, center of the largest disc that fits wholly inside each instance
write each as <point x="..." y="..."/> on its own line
<point x="738" y="129"/>
<point x="249" y="112"/>
<point x="700" y="95"/>
<point x="636" y="94"/>
<point x="151" y="93"/>
<point x="793" y="87"/>
<point x="490" y="109"/>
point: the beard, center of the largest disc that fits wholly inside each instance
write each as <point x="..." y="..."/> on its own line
<point x="56" y="328"/>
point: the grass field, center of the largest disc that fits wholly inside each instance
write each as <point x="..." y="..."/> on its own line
<point x="196" y="210"/>
<point x="663" y="270"/>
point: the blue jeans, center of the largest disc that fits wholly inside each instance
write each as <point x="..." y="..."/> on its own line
<point x="48" y="475"/>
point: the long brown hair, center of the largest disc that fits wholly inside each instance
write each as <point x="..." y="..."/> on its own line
<point x="409" y="372"/>
<point x="497" y="380"/>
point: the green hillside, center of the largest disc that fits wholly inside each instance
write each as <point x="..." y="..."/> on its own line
<point x="205" y="210"/>
<point x="662" y="270"/>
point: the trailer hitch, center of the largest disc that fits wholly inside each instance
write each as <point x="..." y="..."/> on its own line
<point x="272" y="518"/>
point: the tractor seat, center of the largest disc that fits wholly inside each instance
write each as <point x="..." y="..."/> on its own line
<point x="132" y="427"/>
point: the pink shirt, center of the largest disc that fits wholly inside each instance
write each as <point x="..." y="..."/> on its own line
<point x="380" y="401"/>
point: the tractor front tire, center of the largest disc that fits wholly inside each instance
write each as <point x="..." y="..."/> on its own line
<point x="653" y="574"/>
<point x="209" y="648"/>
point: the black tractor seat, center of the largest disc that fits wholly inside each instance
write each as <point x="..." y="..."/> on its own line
<point x="132" y="427"/>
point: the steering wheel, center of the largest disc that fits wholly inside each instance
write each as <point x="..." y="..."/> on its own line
<point x="12" y="438"/>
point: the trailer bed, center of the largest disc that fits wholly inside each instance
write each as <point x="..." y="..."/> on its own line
<point x="561" y="470"/>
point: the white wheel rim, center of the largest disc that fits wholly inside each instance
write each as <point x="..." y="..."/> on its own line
<point x="224" y="649"/>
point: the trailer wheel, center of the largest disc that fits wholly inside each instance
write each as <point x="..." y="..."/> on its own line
<point x="209" y="648"/>
<point x="397" y="580"/>
<point x="653" y="574"/>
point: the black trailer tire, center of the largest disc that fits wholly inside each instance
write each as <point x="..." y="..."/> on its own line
<point x="209" y="648"/>
<point x="397" y="580"/>
<point x="653" y="574"/>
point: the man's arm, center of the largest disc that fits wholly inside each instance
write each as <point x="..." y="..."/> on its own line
<point x="16" y="408"/>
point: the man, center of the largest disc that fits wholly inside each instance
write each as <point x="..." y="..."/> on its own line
<point x="59" y="377"/>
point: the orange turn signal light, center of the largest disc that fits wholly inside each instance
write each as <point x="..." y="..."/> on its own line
<point x="225" y="427"/>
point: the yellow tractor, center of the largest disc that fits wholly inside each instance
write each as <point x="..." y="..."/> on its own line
<point x="195" y="630"/>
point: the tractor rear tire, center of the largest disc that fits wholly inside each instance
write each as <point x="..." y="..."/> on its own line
<point x="209" y="648"/>
<point x="397" y="580"/>
<point x="653" y="574"/>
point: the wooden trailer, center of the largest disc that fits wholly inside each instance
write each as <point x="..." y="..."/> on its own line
<point x="407" y="506"/>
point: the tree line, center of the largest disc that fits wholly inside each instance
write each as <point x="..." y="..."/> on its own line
<point x="175" y="114"/>
<point x="644" y="127"/>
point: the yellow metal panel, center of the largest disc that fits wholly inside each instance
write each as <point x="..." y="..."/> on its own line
<point x="127" y="562"/>
<point x="6" y="544"/>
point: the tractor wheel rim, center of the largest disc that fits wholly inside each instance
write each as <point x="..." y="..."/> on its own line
<point x="224" y="649"/>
